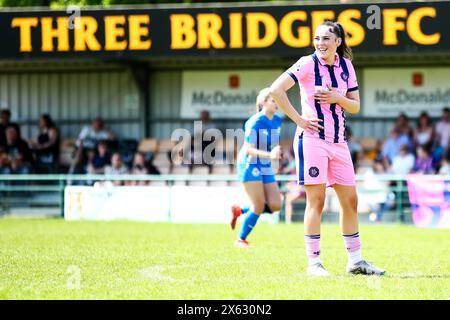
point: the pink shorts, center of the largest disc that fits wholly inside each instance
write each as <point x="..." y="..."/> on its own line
<point x="319" y="162"/>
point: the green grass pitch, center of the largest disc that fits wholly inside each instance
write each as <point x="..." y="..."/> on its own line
<point x="55" y="259"/>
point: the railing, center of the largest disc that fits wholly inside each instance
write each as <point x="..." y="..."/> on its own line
<point x="35" y="183"/>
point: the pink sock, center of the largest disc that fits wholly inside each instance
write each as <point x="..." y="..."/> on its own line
<point x="353" y="246"/>
<point x="312" y="244"/>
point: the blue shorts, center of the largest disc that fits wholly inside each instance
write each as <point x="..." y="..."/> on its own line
<point x="255" y="172"/>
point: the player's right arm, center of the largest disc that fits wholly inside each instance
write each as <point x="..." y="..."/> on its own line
<point x="252" y="130"/>
<point x="254" y="152"/>
<point x="278" y="91"/>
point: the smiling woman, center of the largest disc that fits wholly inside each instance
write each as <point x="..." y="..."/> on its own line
<point x="328" y="89"/>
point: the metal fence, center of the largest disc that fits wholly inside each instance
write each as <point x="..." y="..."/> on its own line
<point x="29" y="192"/>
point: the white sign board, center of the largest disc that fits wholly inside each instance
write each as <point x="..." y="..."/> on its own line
<point x="109" y="203"/>
<point x="387" y="92"/>
<point x="178" y="204"/>
<point x="225" y="94"/>
<point x="204" y="204"/>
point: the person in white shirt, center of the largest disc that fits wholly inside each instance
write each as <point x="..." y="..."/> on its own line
<point x="92" y="134"/>
<point x="403" y="163"/>
<point x="443" y="133"/>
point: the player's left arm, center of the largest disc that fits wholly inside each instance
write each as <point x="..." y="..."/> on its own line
<point x="350" y="102"/>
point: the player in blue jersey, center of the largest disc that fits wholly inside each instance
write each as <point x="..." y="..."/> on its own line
<point x="254" y="167"/>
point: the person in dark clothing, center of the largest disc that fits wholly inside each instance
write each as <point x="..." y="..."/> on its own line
<point x="15" y="155"/>
<point x="5" y="117"/>
<point x="46" y="148"/>
<point x="100" y="159"/>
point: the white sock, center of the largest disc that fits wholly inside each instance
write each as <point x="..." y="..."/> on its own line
<point x="312" y="261"/>
<point x="354" y="257"/>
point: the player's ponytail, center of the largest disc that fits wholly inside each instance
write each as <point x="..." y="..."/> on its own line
<point x="262" y="97"/>
<point x="343" y="50"/>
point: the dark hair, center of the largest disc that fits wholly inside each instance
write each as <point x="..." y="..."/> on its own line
<point x="343" y="50"/>
<point x="402" y="115"/>
<point x="6" y="111"/>
<point x="446" y="109"/>
<point x="48" y="120"/>
<point x="425" y="115"/>
<point x="11" y="128"/>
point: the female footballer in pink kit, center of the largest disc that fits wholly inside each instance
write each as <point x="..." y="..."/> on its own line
<point x="328" y="89"/>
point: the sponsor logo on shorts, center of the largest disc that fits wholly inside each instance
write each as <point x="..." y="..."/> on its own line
<point x="255" y="172"/>
<point x="314" y="172"/>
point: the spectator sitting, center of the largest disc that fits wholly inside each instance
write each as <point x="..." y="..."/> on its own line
<point x="91" y="135"/>
<point x="87" y="143"/>
<point x="117" y="167"/>
<point x="46" y="149"/>
<point x="375" y="153"/>
<point x="442" y="135"/>
<point x="424" y="134"/>
<point x="139" y="168"/>
<point x="424" y="161"/>
<point x="354" y="147"/>
<point x="402" y="123"/>
<point x="100" y="159"/>
<point x="391" y="147"/>
<point x="403" y="163"/>
<point x="445" y="167"/>
<point x="5" y="116"/>
<point x="17" y="156"/>
<point x="139" y="164"/>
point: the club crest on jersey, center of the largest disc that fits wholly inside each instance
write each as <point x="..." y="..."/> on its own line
<point x="255" y="172"/>
<point x="314" y="172"/>
<point x="344" y="76"/>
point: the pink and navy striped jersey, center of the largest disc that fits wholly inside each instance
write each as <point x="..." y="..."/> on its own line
<point x="312" y="73"/>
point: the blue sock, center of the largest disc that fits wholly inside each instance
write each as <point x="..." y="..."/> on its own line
<point x="249" y="223"/>
<point x="245" y="209"/>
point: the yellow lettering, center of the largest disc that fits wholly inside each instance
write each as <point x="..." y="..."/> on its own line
<point x="25" y="25"/>
<point x="352" y="27"/>
<point x="413" y="26"/>
<point x="271" y="30"/>
<point x="182" y="31"/>
<point x="61" y="33"/>
<point x="139" y="27"/>
<point x="209" y="25"/>
<point x="391" y="25"/>
<point x="113" y="30"/>
<point x="84" y="35"/>
<point x="304" y="33"/>
<point x="236" y="30"/>
<point x="318" y="17"/>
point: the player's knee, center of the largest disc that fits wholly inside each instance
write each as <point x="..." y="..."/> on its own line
<point x="258" y="207"/>
<point x="350" y="204"/>
<point x="316" y="204"/>
<point x="275" y="206"/>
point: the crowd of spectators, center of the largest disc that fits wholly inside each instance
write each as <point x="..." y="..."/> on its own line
<point x="420" y="149"/>
<point x="423" y="148"/>
<point x="96" y="151"/>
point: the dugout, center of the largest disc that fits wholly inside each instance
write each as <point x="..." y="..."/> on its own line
<point x="148" y="70"/>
